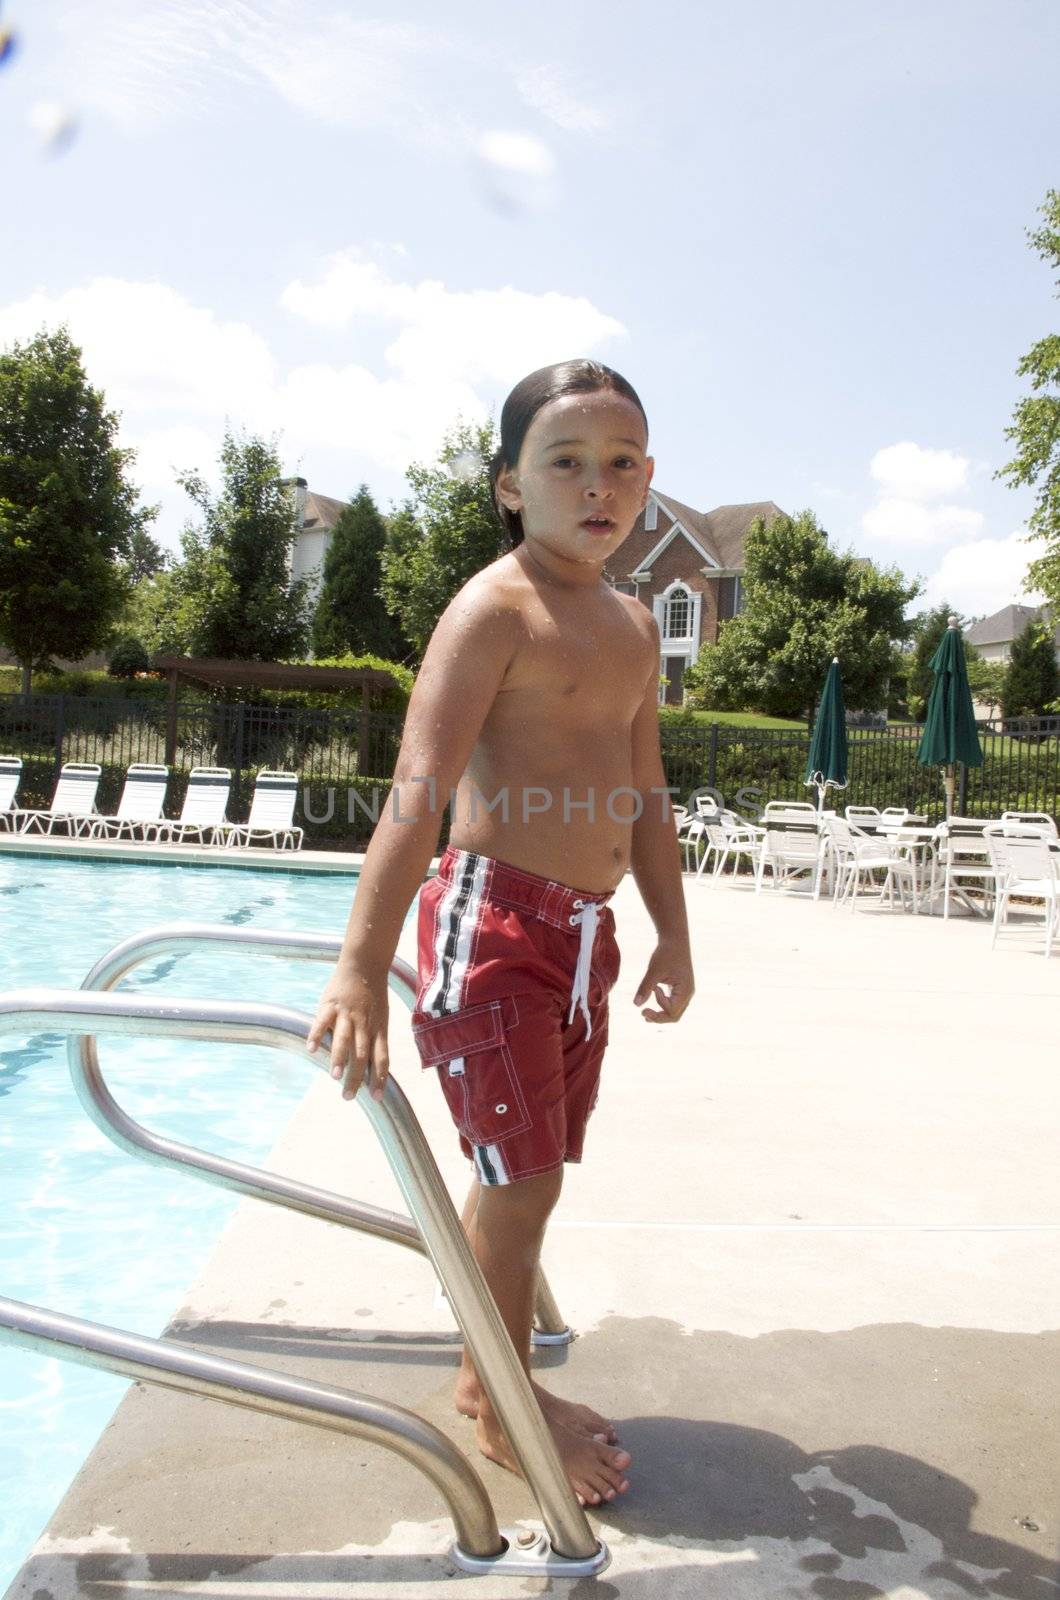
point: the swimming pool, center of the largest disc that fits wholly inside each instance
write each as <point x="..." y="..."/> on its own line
<point x="85" y="1228"/>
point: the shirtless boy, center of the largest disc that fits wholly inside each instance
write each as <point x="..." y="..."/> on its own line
<point x="537" y="702"/>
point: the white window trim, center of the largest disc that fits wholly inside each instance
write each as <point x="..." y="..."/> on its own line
<point x="668" y="537"/>
<point x="651" y="514"/>
<point x="687" y="646"/>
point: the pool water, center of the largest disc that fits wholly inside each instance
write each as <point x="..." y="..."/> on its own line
<point x="84" y="1228"/>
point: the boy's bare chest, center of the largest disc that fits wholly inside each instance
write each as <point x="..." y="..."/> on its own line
<point x="579" y="661"/>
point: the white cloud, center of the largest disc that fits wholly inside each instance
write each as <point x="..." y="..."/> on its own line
<point x="163" y="452"/>
<point x="982" y="575"/>
<point x="896" y="521"/>
<point x="467" y="336"/>
<point x="152" y="350"/>
<point x="175" y="371"/>
<point x="550" y="90"/>
<point x="908" y="471"/>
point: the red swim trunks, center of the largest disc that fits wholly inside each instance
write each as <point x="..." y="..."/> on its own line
<point x="515" y="972"/>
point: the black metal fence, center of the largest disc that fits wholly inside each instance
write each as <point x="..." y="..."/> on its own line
<point x="331" y="750"/>
<point x="346" y="761"/>
<point x="749" y="766"/>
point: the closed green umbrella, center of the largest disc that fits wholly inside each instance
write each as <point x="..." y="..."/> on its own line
<point x="950" y="733"/>
<point x="826" y="766"/>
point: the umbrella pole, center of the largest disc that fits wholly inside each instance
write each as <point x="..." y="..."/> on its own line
<point x="949" y="780"/>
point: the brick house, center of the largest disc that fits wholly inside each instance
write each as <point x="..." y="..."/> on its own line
<point x="686" y="566"/>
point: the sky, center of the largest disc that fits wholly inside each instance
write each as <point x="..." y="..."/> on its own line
<point x="798" y="229"/>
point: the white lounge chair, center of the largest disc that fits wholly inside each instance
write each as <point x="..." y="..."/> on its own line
<point x="10" y="778"/>
<point x="203" y="811"/>
<point x="271" y="814"/>
<point x="1023" y="865"/>
<point x="142" y="798"/>
<point x="73" y="802"/>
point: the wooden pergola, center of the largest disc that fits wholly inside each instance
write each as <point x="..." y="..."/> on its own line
<point x="216" y="672"/>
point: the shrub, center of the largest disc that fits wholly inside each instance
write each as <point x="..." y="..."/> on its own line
<point x="128" y="658"/>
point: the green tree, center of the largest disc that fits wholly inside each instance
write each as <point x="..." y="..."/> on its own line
<point x="804" y="603"/>
<point x="144" y="558"/>
<point x="161" y="614"/>
<point x="986" y="679"/>
<point x="928" y="628"/>
<point x="351" y="617"/>
<point x="1031" y="677"/>
<point x="447" y="531"/>
<point x="68" y="512"/>
<point x="1035" y="429"/>
<point x="233" y="589"/>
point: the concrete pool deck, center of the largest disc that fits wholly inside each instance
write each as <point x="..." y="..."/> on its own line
<point x="811" y="1262"/>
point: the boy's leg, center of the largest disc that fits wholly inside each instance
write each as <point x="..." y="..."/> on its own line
<point x="468" y="1389"/>
<point x="507" y="1230"/>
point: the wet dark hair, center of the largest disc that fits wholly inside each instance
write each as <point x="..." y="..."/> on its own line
<point x="528" y="397"/>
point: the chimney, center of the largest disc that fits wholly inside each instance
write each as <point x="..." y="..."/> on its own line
<point x="297" y="488"/>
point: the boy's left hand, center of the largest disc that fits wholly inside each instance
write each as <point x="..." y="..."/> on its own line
<point x="669" y="979"/>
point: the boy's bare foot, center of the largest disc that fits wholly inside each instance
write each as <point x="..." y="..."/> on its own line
<point x="568" y="1413"/>
<point x="597" y="1471"/>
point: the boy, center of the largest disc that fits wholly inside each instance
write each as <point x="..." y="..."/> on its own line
<point x="537" y="699"/>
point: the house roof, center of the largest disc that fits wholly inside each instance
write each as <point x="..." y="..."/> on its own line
<point x="321" y="511"/>
<point x="1004" y="626"/>
<point x="721" y="532"/>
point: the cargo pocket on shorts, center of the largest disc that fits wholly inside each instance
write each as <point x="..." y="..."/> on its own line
<point x="470" y="1049"/>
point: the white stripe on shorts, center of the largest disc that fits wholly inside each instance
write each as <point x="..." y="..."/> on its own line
<point x="458" y="914"/>
<point x="489" y="1164"/>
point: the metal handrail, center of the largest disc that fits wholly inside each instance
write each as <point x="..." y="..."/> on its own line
<point x="176" y="1366"/>
<point x="87" y="1013"/>
<point x="131" y="1136"/>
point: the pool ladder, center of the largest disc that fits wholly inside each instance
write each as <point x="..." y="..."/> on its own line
<point x="568" y="1547"/>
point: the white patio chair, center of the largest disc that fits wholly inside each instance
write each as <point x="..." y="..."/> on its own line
<point x="789" y="810"/>
<point x="73" y="802"/>
<point x="865" y="817"/>
<point x="271" y="814"/>
<point x="962" y="858"/>
<point x="857" y="855"/>
<point x="1023" y="865"/>
<point x="1032" y="819"/>
<point x="789" y="852"/>
<point x="691" y="838"/>
<point x="10" y="778"/>
<point x="706" y="806"/>
<point x="203" y="810"/>
<point x="728" y="836"/>
<point x="142" y="797"/>
<point x="683" y="819"/>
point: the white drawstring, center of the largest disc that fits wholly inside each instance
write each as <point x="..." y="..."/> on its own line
<point x="586" y="917"/>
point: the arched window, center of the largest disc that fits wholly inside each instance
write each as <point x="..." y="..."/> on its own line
<point x="677" y="618"/>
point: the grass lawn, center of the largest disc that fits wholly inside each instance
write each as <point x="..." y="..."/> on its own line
<point x="745" y="719"/>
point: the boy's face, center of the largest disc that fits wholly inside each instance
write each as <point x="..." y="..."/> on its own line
<point x="582" y="476"/>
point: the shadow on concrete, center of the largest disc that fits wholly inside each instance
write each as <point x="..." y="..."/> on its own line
<point x="722" y="1484"/>
<point x="867" y="1462"/>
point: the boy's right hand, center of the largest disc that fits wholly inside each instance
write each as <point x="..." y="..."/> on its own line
<point x="354" y="1009"/>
